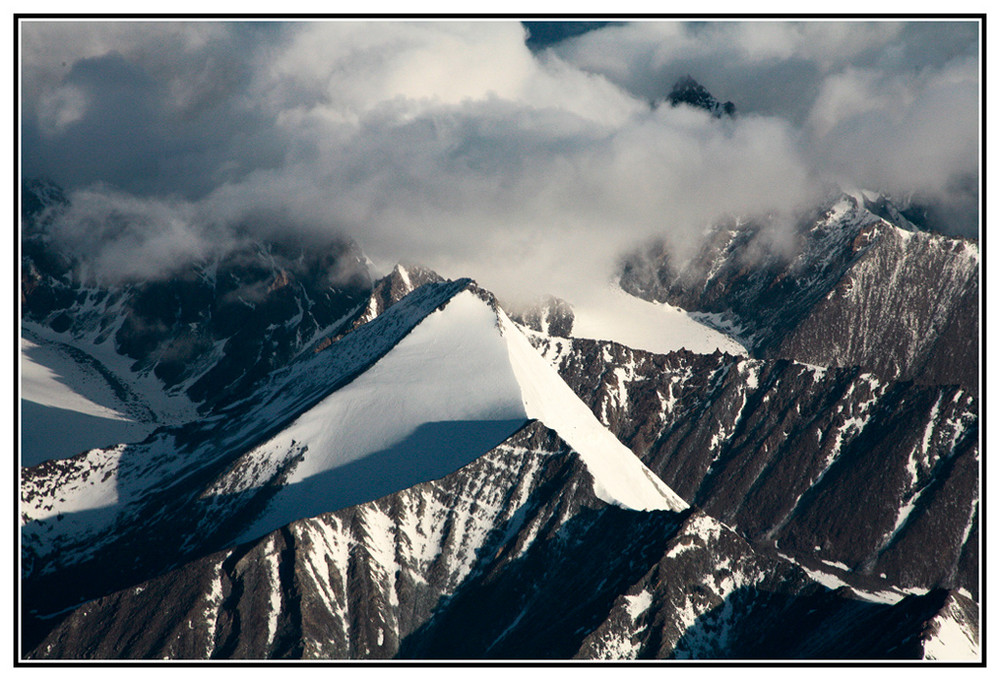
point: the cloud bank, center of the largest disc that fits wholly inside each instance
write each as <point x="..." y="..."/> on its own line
<point x="454" y="145"/>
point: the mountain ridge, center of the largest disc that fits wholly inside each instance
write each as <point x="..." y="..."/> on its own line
<point x="428" y="453"/>
<point x="347" y="584"/>
<point x="852" y="292"/>
<point x="112" y="494"/>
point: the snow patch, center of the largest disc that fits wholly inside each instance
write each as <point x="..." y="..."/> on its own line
<point x="638" y="604"/>
<point x="90" y="483"/>
<point x="950" y="640"/>
<point x="146" y="399"/>
<point x="210" y="614"/>
<point x="750" y="372"/>
<point x="271" y="558"/>
<point x="836" y="564"/>
<point x="68" y="407"/>
<point x="51" y="384"/>
<point x="405" y="276"/>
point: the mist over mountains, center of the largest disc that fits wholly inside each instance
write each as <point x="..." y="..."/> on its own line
<point x="488" y="341"/>
<point x="847" y="488"/>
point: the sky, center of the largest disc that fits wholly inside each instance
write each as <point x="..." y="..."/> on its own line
<point x="455" y="145"/>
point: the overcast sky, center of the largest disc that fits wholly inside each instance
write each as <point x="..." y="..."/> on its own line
<point x="454" y="145"/>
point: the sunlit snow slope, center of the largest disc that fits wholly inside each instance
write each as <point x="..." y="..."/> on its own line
<point x="459" y="384"/>
<point x="656" y="327"/>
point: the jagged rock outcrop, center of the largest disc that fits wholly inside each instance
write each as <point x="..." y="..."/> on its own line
<point x="550" y="315"/>
<point x="386" y="292"/>
<point x="843" y="288"/>
<point x="835" y="467"/>
<point x="692" y="93"/>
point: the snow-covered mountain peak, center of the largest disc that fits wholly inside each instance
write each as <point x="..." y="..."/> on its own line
<point x="461" y="382"/>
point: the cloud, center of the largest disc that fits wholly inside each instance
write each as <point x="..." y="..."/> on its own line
<point x="451" y="144"/>
<point x="899" y="132"/>
<point x="888" y="106"/>
<point x="152" y="108"/>
<point x="522" y="198"/>
<point x="120" y="236"/>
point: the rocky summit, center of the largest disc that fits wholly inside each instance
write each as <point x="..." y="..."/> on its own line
<point x="690" y="92"/>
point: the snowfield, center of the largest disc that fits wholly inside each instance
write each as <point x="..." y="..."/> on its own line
<point x="615" y="315"/>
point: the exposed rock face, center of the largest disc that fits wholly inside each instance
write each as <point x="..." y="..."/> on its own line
<point x="907" y="308"/>
<point x="347" y="584"/>
<point x="711" y="596"/>
<point x="855" y="291"/>
<point x="830" y="466"/>
<point x="386" y="292"/>
<point x="510" y="557"/>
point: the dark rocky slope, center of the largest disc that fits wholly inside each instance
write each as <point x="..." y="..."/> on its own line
<point x="844" y="287"/>
<point x="837" y="468"/>
<point x="510" y="557"/>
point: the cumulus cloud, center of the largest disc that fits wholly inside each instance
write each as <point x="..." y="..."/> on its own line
<point x="889" y="106"/>
<point x="453" y="144"/>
